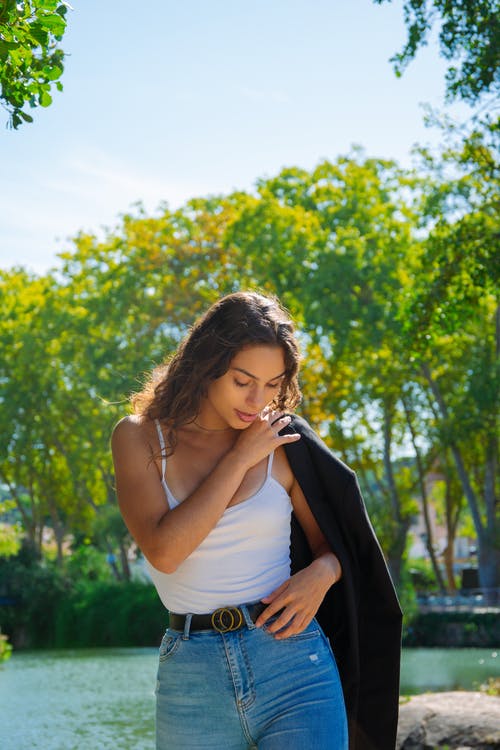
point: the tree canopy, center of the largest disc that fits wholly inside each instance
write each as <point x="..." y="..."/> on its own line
<point x="31" y="60"/>
<point x="392" y="279"/>
<point x="469" y="37"/>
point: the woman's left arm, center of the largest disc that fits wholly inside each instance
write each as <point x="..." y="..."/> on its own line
<point x="301" y="595"/>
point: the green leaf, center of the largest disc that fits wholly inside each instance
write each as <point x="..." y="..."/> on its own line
<point x="54" y="23"/>
<point x="47" y="4"/>
<point x="45" y="99"/>
<point x="39" y="34"/>
<point x="26" y="117"/>
<point x="52" y="72"/>
<point x="15" y="120"/>
<point x="5" y="48"/>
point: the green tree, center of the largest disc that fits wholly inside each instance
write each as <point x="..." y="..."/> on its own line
<point x="335" y="244"/>
<point x="31" y="60"/>
<point x="41" y="459"/>
<point x="389" y="275"/>
<point x="469" y="34"/>
<point x="453" y="325"/>
<point x="73" y="345"/>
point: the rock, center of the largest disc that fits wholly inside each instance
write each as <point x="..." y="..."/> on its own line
<point x="455" y="721"/>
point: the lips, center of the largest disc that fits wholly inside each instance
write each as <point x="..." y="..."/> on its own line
<point x="245" y="417"/>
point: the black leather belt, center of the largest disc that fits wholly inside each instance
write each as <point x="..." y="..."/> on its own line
<point x="224" y="619"/>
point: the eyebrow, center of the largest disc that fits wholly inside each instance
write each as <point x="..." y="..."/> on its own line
<point x="245" y="372"/>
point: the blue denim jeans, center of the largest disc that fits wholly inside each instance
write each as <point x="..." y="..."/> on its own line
<point x="245" y="689"/>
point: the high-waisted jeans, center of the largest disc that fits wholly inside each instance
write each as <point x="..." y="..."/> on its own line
<point x="246" y="689"/>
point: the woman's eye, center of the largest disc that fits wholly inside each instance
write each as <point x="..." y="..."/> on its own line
<point x="274" y="385"/>
<point x="240" y="384"/>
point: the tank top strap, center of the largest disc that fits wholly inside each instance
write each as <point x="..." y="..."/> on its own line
<point x="270" y="464"/>
<point x="162" y="446"/>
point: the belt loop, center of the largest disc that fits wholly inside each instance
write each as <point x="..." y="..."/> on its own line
<point x="248" y="620"/>
<point x="187" y="626"/>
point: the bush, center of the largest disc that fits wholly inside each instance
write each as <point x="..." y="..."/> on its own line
<point x="79" y="606"/>
<point x="110" y="614"/>
<point x="87" y="563"/>
<point x="37" y="588"/>
<point x="422" y="576"/>
<point x="454" y="629"/>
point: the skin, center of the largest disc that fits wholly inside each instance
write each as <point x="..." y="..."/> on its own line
<point x="220" y="460"/>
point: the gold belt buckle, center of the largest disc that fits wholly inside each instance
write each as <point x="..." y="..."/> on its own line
<point x="226" y="619"/>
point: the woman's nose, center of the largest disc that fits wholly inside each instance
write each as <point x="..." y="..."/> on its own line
<point x="256" y="398"/>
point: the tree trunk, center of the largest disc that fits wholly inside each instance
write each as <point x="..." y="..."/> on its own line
<point x="489" y="564"/>
<point x="397" y="548"/>
<point x="111" y="559"/>
<point x="31" y="524"/>
<point x="457" y="456"/>
<point x="486" y="536"/>
<point x="124" y="562"/>
<point x="489" y="551"/>
<point x="448" y="552"/>
<point x="449" y="560"/>
<point x="59" y="530"/>
<point x="489" y="554"/>
<point x="425" y="499"/>
<point x="453" y="506"/>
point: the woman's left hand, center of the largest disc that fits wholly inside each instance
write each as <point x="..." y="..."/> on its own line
<point x="299" y="597"/>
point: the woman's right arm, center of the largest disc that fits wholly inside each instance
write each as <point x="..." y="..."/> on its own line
<point x="167" y="537"/>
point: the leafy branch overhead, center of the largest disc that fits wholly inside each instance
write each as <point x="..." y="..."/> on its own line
<point x="469" y="38"/>
<point x="31" y="60"/>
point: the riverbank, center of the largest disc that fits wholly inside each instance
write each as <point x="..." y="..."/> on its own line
<point x="453" y="720"/>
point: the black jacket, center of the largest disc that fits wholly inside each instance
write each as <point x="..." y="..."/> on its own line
<point x="360" y="614"/>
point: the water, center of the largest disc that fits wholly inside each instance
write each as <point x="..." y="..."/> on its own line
<point x="438" y="669"/>
<point x="78" y="700"/>
<point x="103" y="699"/>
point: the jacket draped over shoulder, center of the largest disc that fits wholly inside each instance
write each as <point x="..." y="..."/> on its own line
<point x="360" y="614"/>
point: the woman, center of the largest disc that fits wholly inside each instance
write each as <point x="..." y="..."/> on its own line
<point x="207" y="489"/>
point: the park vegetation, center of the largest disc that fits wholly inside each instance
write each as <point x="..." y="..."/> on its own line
<point x="31" y="57"/>
<point x="468" y="33"/>
<point x="392" y="277"/>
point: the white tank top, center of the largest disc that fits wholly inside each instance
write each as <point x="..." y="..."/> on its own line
<point x="242" y="559"/>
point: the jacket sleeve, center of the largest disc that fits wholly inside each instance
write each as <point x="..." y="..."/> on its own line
<point x="366" y="596"/>
<point x="379" y="628"/>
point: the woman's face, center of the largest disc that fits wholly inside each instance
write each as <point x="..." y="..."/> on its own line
<point x="252" y="382"/>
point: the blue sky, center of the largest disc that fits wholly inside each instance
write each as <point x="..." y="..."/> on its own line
<point x="165" y="100"/>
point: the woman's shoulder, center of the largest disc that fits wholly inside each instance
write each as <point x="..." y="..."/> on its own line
<point x="132" y="428"/>
<point x="131" y="423"/>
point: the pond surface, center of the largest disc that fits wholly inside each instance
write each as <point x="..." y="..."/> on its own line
<point x="103" y="699"/>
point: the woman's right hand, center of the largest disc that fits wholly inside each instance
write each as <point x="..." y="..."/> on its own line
<point x="262" y="437"/>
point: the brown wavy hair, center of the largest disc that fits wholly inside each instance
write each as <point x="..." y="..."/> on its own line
<point x="175" y="389"/>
